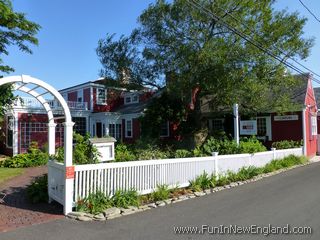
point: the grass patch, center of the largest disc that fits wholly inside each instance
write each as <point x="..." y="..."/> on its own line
<point x="7" y="173"/>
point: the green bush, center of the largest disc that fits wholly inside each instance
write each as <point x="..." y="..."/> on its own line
<point x="148" y="154"/>
<point x="201" y="182"/>
<point x="285" y="144"/>
<point x="161" y="193"/>
<point x="95" y="203"/>
<point x="124" y="199"/>
<point x="38" y="190"/>
<point x="223" y="146"/>
<point x="251" y="145"/>
<point x="123" y="153"/>
<point x="34" y="157"/>
<point x="182" y="153"/>
<point x="83" y="152"/>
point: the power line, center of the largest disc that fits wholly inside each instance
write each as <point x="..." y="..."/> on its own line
<point x="277" y="48"/>
<point x="308" y="9"/>
<point x="247" y="38"/>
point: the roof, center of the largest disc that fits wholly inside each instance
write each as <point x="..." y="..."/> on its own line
<point x="300" y="91"/>
<point x="317" y="96"/>
<point x="137" y="107"/>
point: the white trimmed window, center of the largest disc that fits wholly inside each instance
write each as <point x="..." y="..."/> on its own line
<point x="314" y="129"/>
<point x="101" y="96"/>
<point x="80" y="95"/>
<point x="131" y="98"/>
<point x="164" y="129"/>
<point x="129" y="128"/>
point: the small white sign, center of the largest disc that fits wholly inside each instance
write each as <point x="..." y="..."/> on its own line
<point x="286" y="118"/>
<point x="248" y="127"/>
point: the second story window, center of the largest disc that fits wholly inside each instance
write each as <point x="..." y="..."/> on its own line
<point x="128" y="99"/>
<point x="101" y="96"/>
<point x="131" y="98"/>
<point x="80" y="96"/>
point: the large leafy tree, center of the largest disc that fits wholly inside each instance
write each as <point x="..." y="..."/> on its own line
<point x="201" y="51"/>
<point x="197" y="50"/>
<point x="16" y="30"/>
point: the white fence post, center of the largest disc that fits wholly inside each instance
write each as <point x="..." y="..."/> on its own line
<point x="216" y="165"/>
<point x="274" y="153"/>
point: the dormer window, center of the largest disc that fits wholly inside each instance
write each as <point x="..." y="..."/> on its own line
<point x="131" y="98"/>
<point x="128" y="99"/>
<point x="101" y="96"/>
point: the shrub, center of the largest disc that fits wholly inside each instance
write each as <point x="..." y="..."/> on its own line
<point x="201" y="182"/>
<point x="123" y="154"/>
<point x="124" y="199"/>
<point x="182" y="153"/>
<point x="223" y="146"/>
<point x="223" y="180"/>
<point x="83" y="152"/>
<point x="95" y="203"/>
<point x="38" y="190"/>
<point x="148" y="154"/>
<point x="34" y="157"/>
<point x="251" y="145"/>
<point x="161" y="193"/>
<point x="285" y="144"/>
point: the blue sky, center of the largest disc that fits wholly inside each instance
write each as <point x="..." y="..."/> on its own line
<point x="71" y="29"/>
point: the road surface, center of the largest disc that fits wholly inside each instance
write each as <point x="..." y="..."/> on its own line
<point x="290" y="198"/>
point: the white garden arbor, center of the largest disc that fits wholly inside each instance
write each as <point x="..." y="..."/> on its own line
<point x="65" y="188"/>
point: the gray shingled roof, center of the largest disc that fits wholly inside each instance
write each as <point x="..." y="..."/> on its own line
<point x="317" y="95"/>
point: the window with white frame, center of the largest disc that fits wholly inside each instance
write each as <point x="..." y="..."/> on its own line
<point x="314" y="130"/>
<point x="101" y="96"/>
<point x="129" y="128"/>
<point x="115" y="131"/>
<point x="80" y="95"/>
<point x="131" y="98"/>
<point x="10" y="125"/>
<point x="164" y="129"/>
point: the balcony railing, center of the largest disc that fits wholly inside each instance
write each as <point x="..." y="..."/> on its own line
<point x="33" y="103"/>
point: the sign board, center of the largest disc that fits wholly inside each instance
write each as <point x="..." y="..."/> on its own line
<point x="286" y="118"/>
<point x="248" y="127"/>
<point x="70" y="172"/>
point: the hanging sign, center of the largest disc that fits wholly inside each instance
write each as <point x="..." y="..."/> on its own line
<point x="286" y="118"/>
<point x="248" y="127"/>
<point x="70" y="172"/>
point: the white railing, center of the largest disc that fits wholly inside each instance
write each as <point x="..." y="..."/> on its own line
<point x="56" y="181"/>
<point x="144" y="176"/>
<point x="28" y="102"/>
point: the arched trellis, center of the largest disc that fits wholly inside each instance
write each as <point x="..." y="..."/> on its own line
<point x="20" y="84"/>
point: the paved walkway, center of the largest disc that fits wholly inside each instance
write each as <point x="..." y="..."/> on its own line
<point x="16" y="211"/>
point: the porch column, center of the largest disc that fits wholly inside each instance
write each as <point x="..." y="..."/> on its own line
<point x="52" y="138"/>
<point x="69" y="178"/>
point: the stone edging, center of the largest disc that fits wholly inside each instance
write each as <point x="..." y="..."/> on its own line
<point x="114" y="212"/>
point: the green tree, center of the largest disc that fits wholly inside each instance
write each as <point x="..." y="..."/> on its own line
<point x="15" y="30"/>
<point x="195" y="50"/>
<point x="201" y="51"/>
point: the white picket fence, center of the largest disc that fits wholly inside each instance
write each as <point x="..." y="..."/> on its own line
<point x="144" y="176"/>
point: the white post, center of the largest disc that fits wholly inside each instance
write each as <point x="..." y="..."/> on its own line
<point x="52" y="138"/>
<point x="216" y="165"/>
<point x="68" y="147"/>
<point x="236" y="123"/>
<point x="274" y="153"/>
<point x="304" y="131"/>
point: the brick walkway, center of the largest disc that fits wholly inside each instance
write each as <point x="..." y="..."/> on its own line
<point x="16" y="211"/>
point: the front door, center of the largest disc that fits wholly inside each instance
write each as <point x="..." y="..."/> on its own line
<point x="99" y="129"/>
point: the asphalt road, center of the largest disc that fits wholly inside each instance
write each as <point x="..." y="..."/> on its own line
<point x="290" y="198"/>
